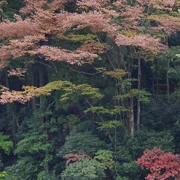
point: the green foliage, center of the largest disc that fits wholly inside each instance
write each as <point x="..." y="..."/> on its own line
<point x="4" y="11"/>
<point x="3" y="174"/>
<point x="87" y="90"/>
<point x="5" y="144"/>
<point x="178" y="55"/>
<point x="128" y="169"/>
<point x="117" y="73"/>
<point x="135" y="93"/>
<point x="99" y="109"/>
<point x="84" y="169"/>
<point x="109" y="124"/>
<point x="70" y="121"/>
<point x="105" y="157"/>
<point x="23" y="169"/>
<point x="33" y="143"/>
<point x="48" y="88"/>
<point x="123" y="154"/>
<point x="102" y="110"/>
<point x="108" y="114"/>
<point x="81" y="142"/>
<point x="176" y="136"/>
<point x="121" y="178"/>
<point x="125" y="166"/>
<point x="144" y="95"/>
<point x="43" y="175"/>
<point x="128" y="150"/>
<point x="67" y="87"/>
<point x="15" y="4"/>
<point x="160" y="114"/>
<point x="148" y="140"/>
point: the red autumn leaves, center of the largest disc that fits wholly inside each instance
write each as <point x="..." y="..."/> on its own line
<point x="162" y="165"/>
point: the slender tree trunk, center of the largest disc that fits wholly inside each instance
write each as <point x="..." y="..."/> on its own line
<point x="34" y="108"/>
<point x="131" y="103"/>
<point x="131" y="118"/>
<point x="139" y="95"/>
<point x="42" y="98"/>
<point x="14" y="125"/>
<point x="153" y="86"/>
<point x="6" y="80"/>
<point x="157" y="86"/>
<point x="1" y="18"/>
<point x="167" y="84"/>
<point x="167" y="81"/>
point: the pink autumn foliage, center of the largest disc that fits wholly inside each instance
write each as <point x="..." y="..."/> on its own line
<point x="131" y="17"/>
<point x="31" y="5"/>
<point x="95" y="20"/>
<point x="168" y="24"/>
<point x="19" y="72"/>
<point x="7" y="96"/>
<point x="18" y="29"/>
<point x="161" y="165"/>
<point x="92" y="4"/>
<point x="158" y="4"/>
<point x="71" y="57"/>
<point x="144" y="41"/>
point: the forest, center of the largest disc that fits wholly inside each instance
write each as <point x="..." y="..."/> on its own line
<point x="89" y="89"/>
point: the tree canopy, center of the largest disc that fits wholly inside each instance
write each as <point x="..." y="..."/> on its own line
<point x="87" y="86"/>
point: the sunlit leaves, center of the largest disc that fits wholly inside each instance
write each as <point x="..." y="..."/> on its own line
<point x="84" y="169"/>
<point x="112" y="124"/>
<point x="134" y="93"/>
<point x="3" y="174"/>
<point x="78" y="37"/>
<point x="103" y="110"/>
<point x="117" y="73"/>
<point x="31" y="91"/>
<point x="5" y="144"/>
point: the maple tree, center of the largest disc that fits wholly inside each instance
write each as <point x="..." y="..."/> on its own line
<point x="32" y="36"/>
<point x="162" y="165"/>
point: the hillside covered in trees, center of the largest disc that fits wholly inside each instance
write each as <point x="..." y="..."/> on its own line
<point x="89" y="89"/>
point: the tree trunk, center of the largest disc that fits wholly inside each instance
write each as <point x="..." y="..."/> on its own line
<point x="34" y="108"/>
<point x="167" y="81"/>
<point x="6" y="80"/>
<point x="131" y="118"/>
<point x="153" y="82"/>
<point x="139" y="95"/>
<point x="41" y="98"/>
